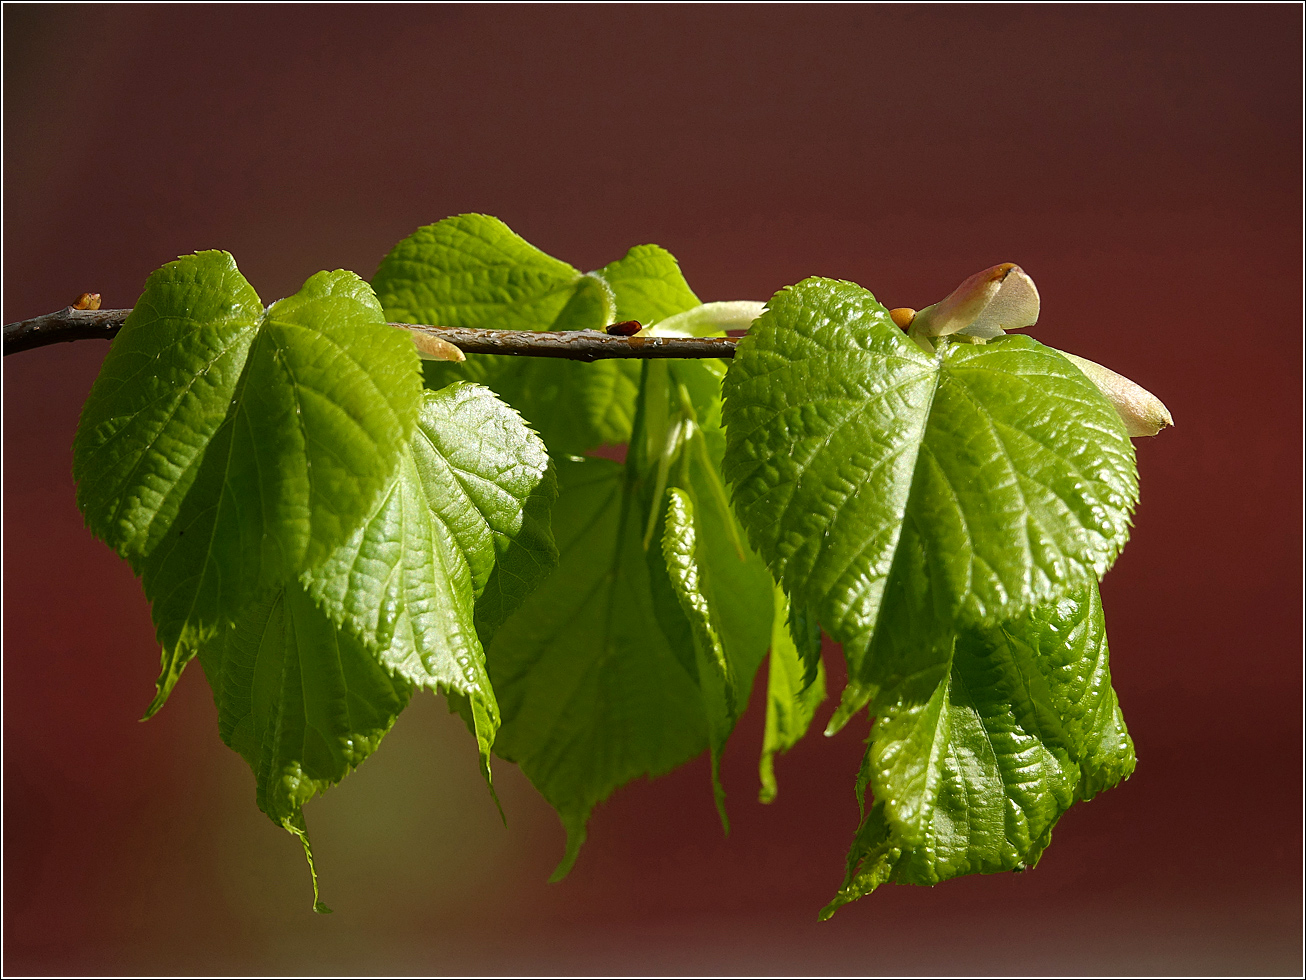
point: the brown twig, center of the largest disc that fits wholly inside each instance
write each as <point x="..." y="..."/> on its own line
<point x="579" y="345"/>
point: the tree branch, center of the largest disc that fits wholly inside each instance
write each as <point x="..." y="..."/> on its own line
<point x="580" y="345"/>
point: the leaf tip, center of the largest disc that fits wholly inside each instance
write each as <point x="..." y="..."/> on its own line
<point x="565" y="865"/>
<point x="855" y="697"/>
<point x="495" y="796"/>
<point x="766" y="774"/>
<point x="574" y="824"/>
<point x="719" y="794"/>
<point x="294" y="823"/>
<point x="174" y="661"/>
<point x="153" y="709"/>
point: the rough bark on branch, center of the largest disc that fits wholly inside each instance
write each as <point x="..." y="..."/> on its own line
<point x="580" y="345"/>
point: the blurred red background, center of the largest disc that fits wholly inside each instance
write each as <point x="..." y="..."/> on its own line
<point x="1142" y="163"/>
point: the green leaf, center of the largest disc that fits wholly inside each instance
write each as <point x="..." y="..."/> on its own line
<point x="677" y="447"/>
<point x="715" y="677"/>
<point x="473" y="271"/>
<point x="256" y="443"/>
<point x="300" y="700"/>
<point x="971" y="776"/>
<point x="1001" y="463"/>
<point x="680" y="444"/>
<point x="1067" y="641"/>
<point x="805" y="635"/>
<point x="163" y="390"/>
<point x="735" y="581"/>
<point x="791" y="701"/>
<point x="591" y="692"/>
<point x="468" y="507"/>
<point x="648" y="285"/>
<point x="733" y="578"/>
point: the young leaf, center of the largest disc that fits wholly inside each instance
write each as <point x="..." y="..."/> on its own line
<point x="680" y="429"/>
<point x="971" y="776"/>
<point x="734" y="579"/>
<point x="791" y="701"/>
<point x="677" y="449"/>
<point x="1014" y="475"/>
<point x="474" y="487"/>
<point x="716" y="679"/>
<point x="302" y="701"/>
<point x="473" y="271"/>
<point x="260" y="443"/>
<point x="591" y="692"/>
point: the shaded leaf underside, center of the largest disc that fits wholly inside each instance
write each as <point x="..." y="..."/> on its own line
<point x="591" y="692"/>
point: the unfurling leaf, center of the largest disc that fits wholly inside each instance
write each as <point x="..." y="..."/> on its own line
<point x="985" y="306"/>
<point x="1004" y="298"/>
<point x="707" y="320"/>
<point x="791" y="698"/>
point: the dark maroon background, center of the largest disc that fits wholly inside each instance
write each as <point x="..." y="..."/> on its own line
<point x="1142" y="163"/>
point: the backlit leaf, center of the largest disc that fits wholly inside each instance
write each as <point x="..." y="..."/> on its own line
<point x="258" y="443"/>
<point x="848" y="445"/>
<point x="300" y="700"/>
<point x="468" y="507"/>
<point x="473" y="271"/>
<point x="791" y="702"/>
<point x="970" y="776"/>
<point x="677" y="449"/>
<point x="164" y="388"/>
<point x="716" y="679"/>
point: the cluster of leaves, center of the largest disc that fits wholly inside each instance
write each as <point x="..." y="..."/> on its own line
<point x="329" y="523"/>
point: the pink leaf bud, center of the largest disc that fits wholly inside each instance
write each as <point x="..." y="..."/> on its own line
<point x="1142" y="412"/>
<point x="984" y="306"/>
